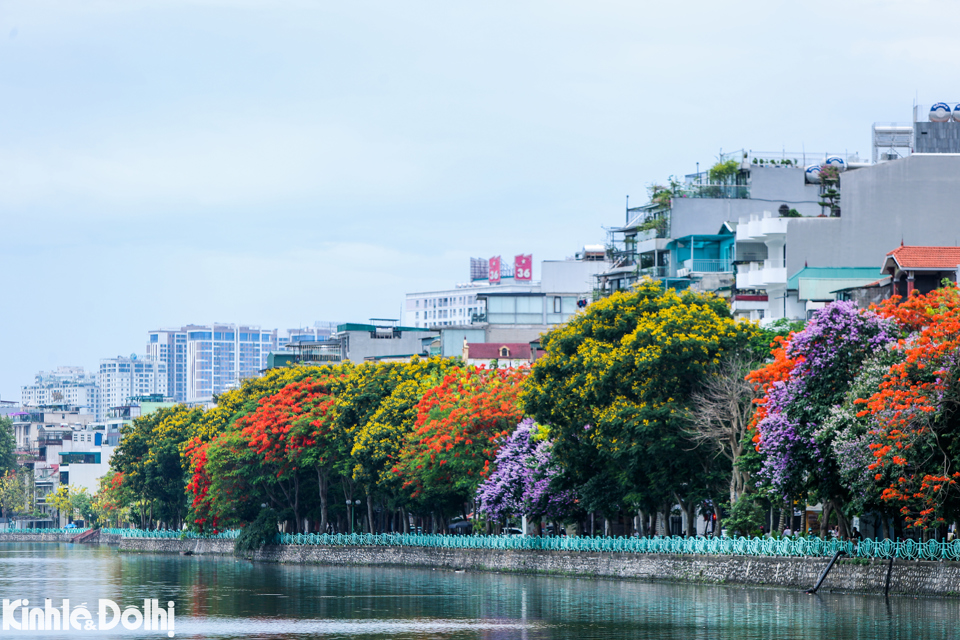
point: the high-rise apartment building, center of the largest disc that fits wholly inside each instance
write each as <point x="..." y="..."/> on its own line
<point x="69" y="387"/>
<point x="170" y="347"/>
<point x="205" y="360"/>
<point x="123" y="378"/>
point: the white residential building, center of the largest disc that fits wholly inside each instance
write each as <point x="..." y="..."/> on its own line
<point x="448" y="307"/>
<point x="64" y="387"/>
<point x="123" y="378"/>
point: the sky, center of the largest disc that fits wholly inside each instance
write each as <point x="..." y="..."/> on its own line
<point x="277" y="163"/>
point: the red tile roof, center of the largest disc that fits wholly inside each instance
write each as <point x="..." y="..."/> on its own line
<point x="489" y="350"/>
<point x="945" y="258"/>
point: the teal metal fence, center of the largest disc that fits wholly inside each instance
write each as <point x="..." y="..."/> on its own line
<point x="172" y="534"/>
<point x="760" y="547"/>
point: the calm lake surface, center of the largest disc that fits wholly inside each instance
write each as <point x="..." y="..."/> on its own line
<point x="228" y="598"/>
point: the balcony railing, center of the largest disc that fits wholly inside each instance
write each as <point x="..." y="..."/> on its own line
<point x="720" y="191"/>
<point x="708" y="265"/>
<point x="653" y="272"/>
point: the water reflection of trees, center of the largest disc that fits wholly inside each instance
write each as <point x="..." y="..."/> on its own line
<point x="553" y="607"/>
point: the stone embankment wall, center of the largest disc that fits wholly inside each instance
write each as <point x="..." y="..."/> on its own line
<point x="908" y="577"/>
<point x="175" y="545"/>
<point x="36" y="537"/>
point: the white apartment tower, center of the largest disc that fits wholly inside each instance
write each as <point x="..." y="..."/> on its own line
<point x="124" y="378"/>
<point x="205" y="360"/>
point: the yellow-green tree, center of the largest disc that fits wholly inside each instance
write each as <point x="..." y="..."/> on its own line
<point x="15" y="489"/>
<point x="378" y="442"/>
<point x="615" y="385"/>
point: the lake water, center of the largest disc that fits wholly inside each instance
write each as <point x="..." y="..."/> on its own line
<point x="229" y="598"/>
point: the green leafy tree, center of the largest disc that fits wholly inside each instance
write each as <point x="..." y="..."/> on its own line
<point x="149" y="458"/>
<point x="8" y="445"/>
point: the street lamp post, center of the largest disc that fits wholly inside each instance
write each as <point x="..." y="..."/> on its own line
<point x="350" y="514"/>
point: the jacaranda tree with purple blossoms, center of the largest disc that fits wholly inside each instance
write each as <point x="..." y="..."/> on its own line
<point x="522" y="482"/>
<point x="798" y="457"/>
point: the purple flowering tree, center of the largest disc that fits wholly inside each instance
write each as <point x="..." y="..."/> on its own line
<point x="523" y="478"/>
<point x="798" y="457"/>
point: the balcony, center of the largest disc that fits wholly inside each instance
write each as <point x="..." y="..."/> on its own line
<point x="707" y="265"/>
<point x="742" y="302"/>
<point x="774" y="273"/>
<point x="760" y="228"/>
<point x="750" y="275"/>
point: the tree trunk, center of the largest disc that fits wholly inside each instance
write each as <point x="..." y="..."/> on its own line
<point x="369" y="514"/>
<point x="324" y="483"/>
<point x="842" y="523"/>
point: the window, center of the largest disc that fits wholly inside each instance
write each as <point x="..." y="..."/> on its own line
<point x="556" y="304"/>
<point x="504" y="352"/>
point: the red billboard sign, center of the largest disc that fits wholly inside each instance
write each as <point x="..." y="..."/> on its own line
<point x="523" y="267"/>
<point x="494" y="268"/>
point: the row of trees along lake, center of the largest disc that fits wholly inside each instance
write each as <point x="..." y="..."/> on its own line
<point x="646" y="403"/>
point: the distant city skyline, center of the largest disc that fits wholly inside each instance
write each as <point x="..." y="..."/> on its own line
<point x="274" y="164"/>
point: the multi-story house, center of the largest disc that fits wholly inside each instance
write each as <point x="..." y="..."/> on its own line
<point x="779" y="237"/>
<point x="686" y="235"/>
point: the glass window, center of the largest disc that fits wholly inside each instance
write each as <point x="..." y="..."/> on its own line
<point x="501" y="305"/>
<point x="529" y="305"/>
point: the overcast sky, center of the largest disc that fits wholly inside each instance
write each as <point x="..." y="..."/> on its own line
<point x="277" y="163"/>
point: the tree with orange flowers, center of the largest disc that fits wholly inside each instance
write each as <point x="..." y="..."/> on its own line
<point x="915" y="412"/>
<point x="458" y="431"/>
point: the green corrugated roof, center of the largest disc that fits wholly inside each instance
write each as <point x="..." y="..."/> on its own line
<point x="834" y="273"/>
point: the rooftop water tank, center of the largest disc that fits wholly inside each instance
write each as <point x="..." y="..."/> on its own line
<point x="836" y="161"/>
<point x="812" y="174"/>
<point x="956" y="113"/>
<point x="940" y="112"/>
